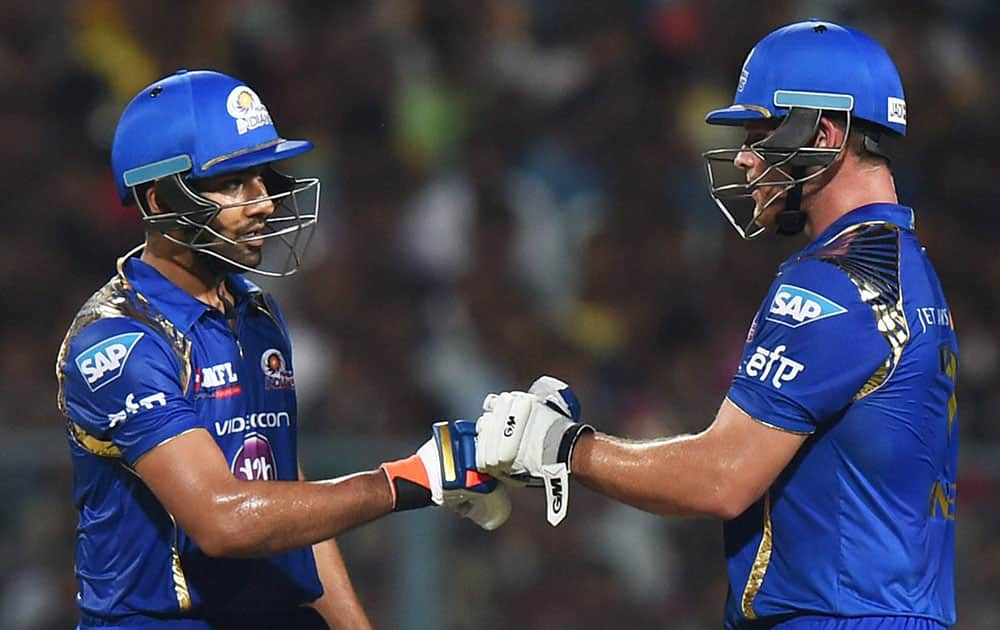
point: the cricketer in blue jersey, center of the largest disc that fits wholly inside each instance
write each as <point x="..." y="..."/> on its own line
<point x="833" y="457"/>
<point x="178" y="386"/>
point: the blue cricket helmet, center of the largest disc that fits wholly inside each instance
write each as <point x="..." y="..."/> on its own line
<point x="200" y="121"/>
<point x="198" y="124"/>
<point x="820" y="65"/>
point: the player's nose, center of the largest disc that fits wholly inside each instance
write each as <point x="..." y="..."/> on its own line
<point x="262" y="204"/>
<point x="745" y="159"/>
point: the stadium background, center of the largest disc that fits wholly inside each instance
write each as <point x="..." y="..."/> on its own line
<point x="510" y="188"/>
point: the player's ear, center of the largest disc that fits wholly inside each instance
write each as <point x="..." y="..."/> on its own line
<point x="829" y="133"/>
<point x="154" y="203"/>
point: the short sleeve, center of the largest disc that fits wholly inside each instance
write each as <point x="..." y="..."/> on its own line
<point x="812" y="347"/>
<point x="122" y="384"/>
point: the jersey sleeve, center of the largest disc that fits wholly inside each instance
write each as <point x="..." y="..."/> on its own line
<point x="122" y="384"/>
<point x="813" y="345"/>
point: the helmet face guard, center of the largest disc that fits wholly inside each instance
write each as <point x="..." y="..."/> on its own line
<point x="791" y="162"/>
<point x="287" y="231"/>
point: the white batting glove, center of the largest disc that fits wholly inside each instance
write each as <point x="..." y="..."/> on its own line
<point x="522" y="434"/>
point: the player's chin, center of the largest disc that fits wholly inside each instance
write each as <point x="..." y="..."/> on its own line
<point x="766" y="209"/>
<point x="245" y="255"/>
<point x="252" y="256"/>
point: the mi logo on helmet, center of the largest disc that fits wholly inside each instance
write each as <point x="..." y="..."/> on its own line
<point x="794" y="306"/>
<point x="245" y="107"/>
<point x="103" y="362"/>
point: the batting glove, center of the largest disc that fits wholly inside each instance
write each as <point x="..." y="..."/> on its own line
<point x="443" y="472"/>
<point x="531" y="435"/>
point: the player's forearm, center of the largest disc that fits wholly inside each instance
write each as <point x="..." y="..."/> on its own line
<point x="259" y="518"/>
<point x="678" y="476"/>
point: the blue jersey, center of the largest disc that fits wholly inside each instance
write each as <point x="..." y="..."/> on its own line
<point x="853" y="346"/>
<point x="144" y="362"/>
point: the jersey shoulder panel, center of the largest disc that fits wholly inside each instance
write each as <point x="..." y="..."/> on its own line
<point x="818" y="342"/>
<point x="869" y="254"/>
<point x="121" y="384"/>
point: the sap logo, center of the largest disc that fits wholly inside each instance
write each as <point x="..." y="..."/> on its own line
<point x="794" y="306"/>
<point x="103" y="362"/>
<point x="132" y="407"/>
<point x="763" y="361"/>
<point x="259" y="420"/>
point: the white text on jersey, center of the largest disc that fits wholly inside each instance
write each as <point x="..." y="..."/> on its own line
<point x="259" y="420"/>
<point x="762" y="362"/>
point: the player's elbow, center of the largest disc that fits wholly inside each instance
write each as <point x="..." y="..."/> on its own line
<point x="221" y="533"/>
<point x="216" y="540"/>
<point x="731" y="499"/>
<point x="216" y="543"/>
<point x="726" y="510"/>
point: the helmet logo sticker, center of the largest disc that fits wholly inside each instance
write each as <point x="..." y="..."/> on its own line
<point x="245" y="107"/>
<point x="744" y="73"/>
<point x="897" y="110"/>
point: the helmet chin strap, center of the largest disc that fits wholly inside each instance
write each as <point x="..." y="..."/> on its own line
<point x="792" y="219"/>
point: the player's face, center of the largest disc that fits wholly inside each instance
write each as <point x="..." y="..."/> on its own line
<point x="769" y="201"/>
<point x="245" y="209"/>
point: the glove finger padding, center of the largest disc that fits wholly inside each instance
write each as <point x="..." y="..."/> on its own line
<point x="514" y="420"/>
<point x="500" y="429"/>
<point x="558" y="395"/>
<point x="472" y="494"/>
<point x="489" y="510"/>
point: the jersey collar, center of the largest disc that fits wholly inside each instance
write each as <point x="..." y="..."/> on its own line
<point x="892" y="213"/>
<point x="177" y="305"/>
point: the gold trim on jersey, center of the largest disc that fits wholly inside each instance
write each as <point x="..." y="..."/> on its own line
<point x="181" y="589"/>
<point x="766" y="423"/>
<point x="91" y="444"/>
<point x="760" y="562"/>
<point x="869" y="254"/>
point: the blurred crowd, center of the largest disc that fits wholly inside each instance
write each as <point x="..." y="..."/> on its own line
<point x="510" y="188"/>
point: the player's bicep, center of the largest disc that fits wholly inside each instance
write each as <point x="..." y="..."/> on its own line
<point x="190" y="477"/>
<point x="753" y="451"/>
